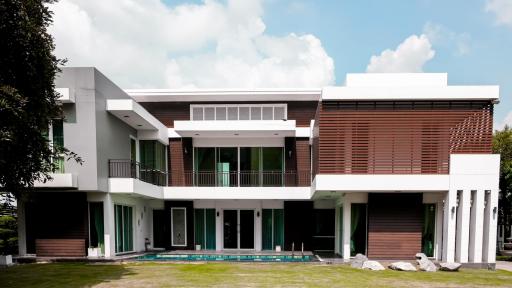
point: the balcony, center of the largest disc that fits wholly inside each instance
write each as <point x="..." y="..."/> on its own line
<point x="125" y="168"/>
<point x="178" y="178"/>
<point x="240" y="179"/>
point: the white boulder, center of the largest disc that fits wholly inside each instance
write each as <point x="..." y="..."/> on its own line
<point x="402" y="266"/>
<point x="373" y="265"/>
<point x="452" y="267"/>
<point x="358" y="261"/>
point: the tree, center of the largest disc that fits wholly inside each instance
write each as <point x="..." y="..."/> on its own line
<point x="502" y="144"/>
<point x="28" y="100"/>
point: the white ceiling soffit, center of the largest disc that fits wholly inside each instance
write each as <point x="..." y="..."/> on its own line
<point x="239" y="128"/>
<point x="411" y="93"/>
<point x="133" y="114"/>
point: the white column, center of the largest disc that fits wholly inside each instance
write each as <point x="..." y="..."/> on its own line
<point x="490" y="225"/>
<point x="22" y="233"/>
<point x="219" y="240"/>
<point x="346" y="228"/>
<point x="462" y="233"/>
<point x="476" y="231"/>
<point x="109" y="226"/>
<point x="337" y="232"/>
<point x="450" y="221"/>
<point x="258" y="232"/>
<point x="438" y="252"/>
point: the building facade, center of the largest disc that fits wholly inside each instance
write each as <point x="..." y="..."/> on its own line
<point x="387" y="165"/>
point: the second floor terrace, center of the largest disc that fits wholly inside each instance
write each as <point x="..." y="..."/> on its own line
<point x="122" y="168"/>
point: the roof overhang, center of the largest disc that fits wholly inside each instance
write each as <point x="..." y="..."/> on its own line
<point x="240" y="128"/>
<point x="66" y="95"/>
<point x="402" y="93"/>
<point x="225" y="95"/>
<point x="133" y="114"/>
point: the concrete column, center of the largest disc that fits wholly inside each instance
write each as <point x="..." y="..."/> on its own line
<point x="476" y="230"/>
<point x="449" y="225"/>
<point x="462" y="233"/>
<point x="490" y="225"/>
<point x="109" y="226"/>
<point x="258" y="232"/>
<point x="22" y="233"/>
<point x="438" y="251"/>
<point x="337" y="232"/>
<point x="219" y="229"/>
<point x="346" y="228"/>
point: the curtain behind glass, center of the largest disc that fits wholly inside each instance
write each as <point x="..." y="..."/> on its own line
<point x="266" y="229"/>
<point x="429" y="218"/>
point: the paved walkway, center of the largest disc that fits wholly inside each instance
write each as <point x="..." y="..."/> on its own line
<point x="504" y="265"/>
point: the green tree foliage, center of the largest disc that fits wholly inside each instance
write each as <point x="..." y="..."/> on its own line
<point x="8" y="225"/>
<point x="502" y="144"/>
<point x="28" y="100"/>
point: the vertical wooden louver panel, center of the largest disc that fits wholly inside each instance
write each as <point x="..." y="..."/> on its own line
<point x="303" y="161"/>
<point x="369" y="137"/>
<point x="395" y="224"/>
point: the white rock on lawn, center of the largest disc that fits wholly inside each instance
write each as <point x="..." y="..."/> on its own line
<point x="402" y="266"/>
<point x="452" y="267"/>
<point x="373" y="265"/>
<point x="358" y="261"/>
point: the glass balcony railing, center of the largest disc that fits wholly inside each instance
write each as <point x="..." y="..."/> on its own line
<point x="119" y="168"/>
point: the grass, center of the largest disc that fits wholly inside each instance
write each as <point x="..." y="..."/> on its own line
<point x="237" y="274"/>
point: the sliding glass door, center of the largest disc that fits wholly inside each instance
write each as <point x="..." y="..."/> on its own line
<point x="239" y="166"/>
<point x="124" y="228"/>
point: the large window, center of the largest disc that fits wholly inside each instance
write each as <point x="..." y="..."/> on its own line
<point x="153" y="160"/>
<point x="358" y="229"/>
<point x="55" y="135"/>
<point x="429" y="226"/>
<point x="272" y="228"/>
<point x="238" y="112"/>
<point x="238" y="166"/>
<point x="96" y="228"/>
<point x="124" y="228"/>
<point x="204" y="220"/>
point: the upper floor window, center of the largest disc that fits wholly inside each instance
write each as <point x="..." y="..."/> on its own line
<point x="238" y="112"/>
<point x="55" y="136"/>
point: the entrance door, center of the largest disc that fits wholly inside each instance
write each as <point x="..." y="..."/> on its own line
<point x="238" y="229"/>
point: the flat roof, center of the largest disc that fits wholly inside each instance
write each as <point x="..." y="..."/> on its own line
<point x="225" y="95"/>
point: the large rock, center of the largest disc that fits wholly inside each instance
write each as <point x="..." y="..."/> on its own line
<point x="358" y="261"/>
<point x="402" y="266"/>
<point x="452" y="267"/>
<point x="426" y="265"/>
<point x="421" y="256"/>
<point x="373" y="265"/>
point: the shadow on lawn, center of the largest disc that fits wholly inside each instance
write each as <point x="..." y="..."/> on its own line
<point x="62" y="274"/>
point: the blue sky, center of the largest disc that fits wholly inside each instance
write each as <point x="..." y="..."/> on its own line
<point x="471" y="40"/>
<point x="352" y="31"/>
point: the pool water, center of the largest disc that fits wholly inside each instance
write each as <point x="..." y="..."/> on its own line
<point x="213" y="257"/>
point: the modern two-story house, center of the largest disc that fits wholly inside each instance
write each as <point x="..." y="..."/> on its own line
<point x="387" y="165"/>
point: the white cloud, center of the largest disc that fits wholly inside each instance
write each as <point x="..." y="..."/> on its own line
<point x="212" y="44"/>
<point x="440" y="36"/>
<point x="506" y="121"/>
<point x="502" y="10"/>
<point x="409" y="56"/>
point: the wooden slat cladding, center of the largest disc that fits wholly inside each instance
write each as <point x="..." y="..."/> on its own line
<point x="168" y="112"/>
<point x="400" y="137"/>
<point x="395" y="224"/>
<point x="303" y="161"/>
<point x="60" y="247"/>
<point x="180" y="160"/>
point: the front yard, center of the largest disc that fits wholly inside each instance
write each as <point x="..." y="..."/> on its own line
<point x="236" y="274"/>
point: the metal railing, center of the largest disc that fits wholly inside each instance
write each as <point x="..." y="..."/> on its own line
<point x="121" y="168"/>
<point x="240" y="178"/>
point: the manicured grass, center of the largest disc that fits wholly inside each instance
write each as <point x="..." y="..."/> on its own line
<point x="234" y="274"/>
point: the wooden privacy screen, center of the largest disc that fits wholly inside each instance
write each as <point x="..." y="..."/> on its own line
<point x="369" y="137"/>
<point x="395" y="223"/>
<point x="60" y="247"/>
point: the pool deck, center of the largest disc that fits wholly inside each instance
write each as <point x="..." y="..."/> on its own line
<point x="236" y="252"/>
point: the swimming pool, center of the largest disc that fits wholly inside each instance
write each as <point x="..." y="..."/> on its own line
<point x="221" y="257"/>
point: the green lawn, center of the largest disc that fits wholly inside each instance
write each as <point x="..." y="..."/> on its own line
<point x="233" y="274"/>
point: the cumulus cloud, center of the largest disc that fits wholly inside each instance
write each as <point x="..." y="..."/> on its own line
<point x="502" y="9"/>
<point x="441" y="36"/>
<point x="409" y="56"/>
<point x="211" y="44"/>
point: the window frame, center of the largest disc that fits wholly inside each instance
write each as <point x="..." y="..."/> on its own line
<point x="202" y="108"/>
